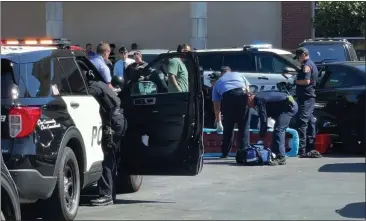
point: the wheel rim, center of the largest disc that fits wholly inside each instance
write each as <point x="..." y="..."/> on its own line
<point x="70" y="185"/>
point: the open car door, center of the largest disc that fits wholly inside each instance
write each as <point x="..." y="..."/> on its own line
<point x="164" y="135"/>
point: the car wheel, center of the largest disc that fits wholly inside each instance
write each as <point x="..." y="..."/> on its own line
<point x="351" y="130"/>
<point x="64" y="202"/>
<point x="128" y="183"/>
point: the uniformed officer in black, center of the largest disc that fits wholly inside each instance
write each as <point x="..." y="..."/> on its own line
<point x="305" y="93"/>
<point x="114" y="127"/>
<point x="281" y="107"/>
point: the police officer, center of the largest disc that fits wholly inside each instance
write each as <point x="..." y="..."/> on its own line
<point x="305" y="93"/>
<point x="280" y="107"/>
<point x="114" y="127"/>
<point x="230" y="92"/>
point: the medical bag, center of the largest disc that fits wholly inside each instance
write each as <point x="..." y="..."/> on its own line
<point x="255" y="155"/>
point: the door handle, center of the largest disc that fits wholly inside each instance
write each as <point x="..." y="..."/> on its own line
<point x="263" y="78"/>
<point x="144" y="101"/>
<point x="74" y="104"/>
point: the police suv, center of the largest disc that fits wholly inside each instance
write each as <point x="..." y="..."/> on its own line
<point x="262" y="65"/>
<point x="51" y="128"/>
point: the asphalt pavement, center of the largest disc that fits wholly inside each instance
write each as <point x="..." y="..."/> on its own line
<point x="330" y="188"/>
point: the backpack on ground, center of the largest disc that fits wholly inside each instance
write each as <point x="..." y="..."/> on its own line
<point x="255" y="156"/>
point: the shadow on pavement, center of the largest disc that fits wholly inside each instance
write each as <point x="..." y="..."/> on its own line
<point x="85" y="201"/>
<point x="353" y="210"/>
<point x="343" y="168"/>
<point x="342" y="155"/>
<point x="218" y="162"/>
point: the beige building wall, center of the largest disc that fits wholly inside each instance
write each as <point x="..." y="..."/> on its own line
<point x="149" y="24"/>
<point x="22" y="19"/>
<point x="231" y="24"/>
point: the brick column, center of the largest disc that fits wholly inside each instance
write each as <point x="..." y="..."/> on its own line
<point x="54" y="19"/>
<point x="296" y="23"/>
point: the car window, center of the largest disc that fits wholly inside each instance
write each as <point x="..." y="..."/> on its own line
<point x="342" y="77"/>
<point x="59" y="83"/>
<point x="160" y="77"/>
<point x="238" y="62"/>
<point x="73" y="76"/>
<point x="326" y="53"/>
<point x="148" y="57"/>
<point x="267" y="63"/>
<point x="210" y="61"/>
<point x="36" y="79"/>
<point x="353" y="53"/>
<point x="7" y="78"/>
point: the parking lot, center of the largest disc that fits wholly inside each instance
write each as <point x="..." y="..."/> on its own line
<point x="330" y="188"/>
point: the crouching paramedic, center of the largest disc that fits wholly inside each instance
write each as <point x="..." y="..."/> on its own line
<point x="114" y="126"/>
<point x="231" y="88"/>
<point x="281" y="107"/>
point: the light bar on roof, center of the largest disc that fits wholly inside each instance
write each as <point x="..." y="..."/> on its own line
<point x="261" y="46"/>
<point x="43" y="42"/>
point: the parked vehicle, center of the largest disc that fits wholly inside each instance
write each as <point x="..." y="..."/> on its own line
<point x="340" y="103"/>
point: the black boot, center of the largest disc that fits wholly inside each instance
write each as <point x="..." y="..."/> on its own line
<point x="102" y="201"/>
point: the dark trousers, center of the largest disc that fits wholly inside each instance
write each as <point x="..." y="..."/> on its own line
<point x="235" y="110"/>
<point x="283" y="120"/>
<point x="305" y="121"/>
<point x="106" y="182"/>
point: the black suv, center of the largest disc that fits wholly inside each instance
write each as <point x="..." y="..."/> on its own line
<point x="340" y="103"/>
<point x="10" y="207"/>
<point x="327" y="50"/>
<point x="51" y="127"/>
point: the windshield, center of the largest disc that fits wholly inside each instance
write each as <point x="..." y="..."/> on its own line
<point x="361" y="67"/>
<point x="326" y="53"/>
<point x="290" y="58"/>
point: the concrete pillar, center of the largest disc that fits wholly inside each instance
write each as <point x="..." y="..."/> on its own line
<point x="199" y="25"/>
<point x="54" y="20"/>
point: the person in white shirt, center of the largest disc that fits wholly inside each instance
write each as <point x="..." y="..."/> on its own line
<point x="121" y="65"/>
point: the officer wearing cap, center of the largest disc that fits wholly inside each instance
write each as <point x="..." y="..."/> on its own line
<point x="305" y="92"/>
<point x="229" y="95"/>
<point x="281" y="107"/>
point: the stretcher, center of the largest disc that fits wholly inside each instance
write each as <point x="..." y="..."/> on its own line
<point x="212" y="141"/>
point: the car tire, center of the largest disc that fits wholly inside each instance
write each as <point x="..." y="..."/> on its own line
<point x="10" y="207"/>
<point x="351" y="135"/>
<point x="128" y="183"/>
<point x="64" y="202"/>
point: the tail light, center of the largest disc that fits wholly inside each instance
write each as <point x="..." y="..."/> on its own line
<point x="23" y="120"/>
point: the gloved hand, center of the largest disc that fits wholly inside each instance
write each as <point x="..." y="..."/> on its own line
<point x="219" y="126"/>
<point x="292" y="79"/>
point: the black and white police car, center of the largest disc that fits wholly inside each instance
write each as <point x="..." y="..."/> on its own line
<point x="262" y="65"/>
<point x="51" y="127"/>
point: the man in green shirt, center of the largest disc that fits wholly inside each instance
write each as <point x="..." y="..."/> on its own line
<point x="177" y="72"/>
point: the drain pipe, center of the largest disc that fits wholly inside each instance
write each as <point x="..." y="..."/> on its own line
<point x="199" y="25"/>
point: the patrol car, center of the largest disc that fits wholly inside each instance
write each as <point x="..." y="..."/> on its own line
<point x="263" y="65"/>
<point x="51" y="128"/>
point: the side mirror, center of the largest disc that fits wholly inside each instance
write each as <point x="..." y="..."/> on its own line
<point x="289" y="70"/>
<point x="143" y="88"/>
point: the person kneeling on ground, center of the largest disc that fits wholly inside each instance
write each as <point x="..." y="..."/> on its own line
<point x="281" y="107"/>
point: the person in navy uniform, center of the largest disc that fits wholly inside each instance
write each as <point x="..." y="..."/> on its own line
<point x="281" y="107"/>
<point x="230" y="92"/>
<point x="305" y="92"/>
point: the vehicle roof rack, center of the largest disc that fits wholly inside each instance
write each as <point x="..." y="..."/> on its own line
<point x="60" y="42"/>
<point x="326" y="39"/>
